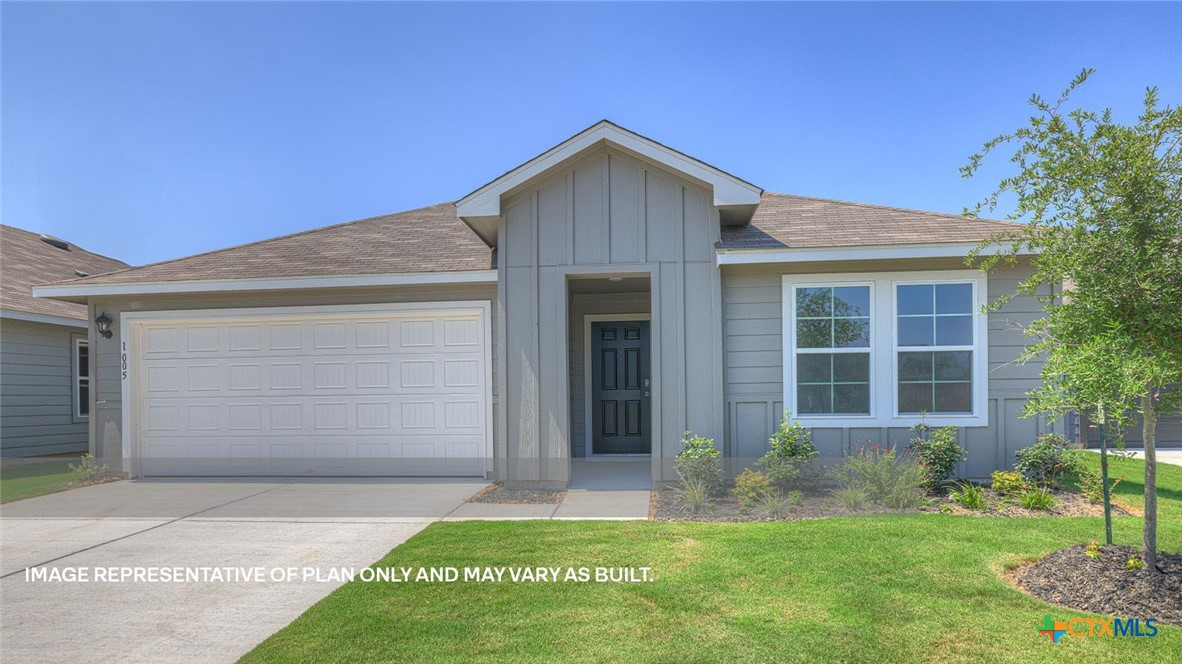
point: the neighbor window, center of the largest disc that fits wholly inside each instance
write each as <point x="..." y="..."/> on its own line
<point x="81" y="378"/>
<point x="832" y="350"/>
<point x="934" y="338"/>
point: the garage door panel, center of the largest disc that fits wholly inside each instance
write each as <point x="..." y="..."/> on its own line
<point x="399" y="393"/>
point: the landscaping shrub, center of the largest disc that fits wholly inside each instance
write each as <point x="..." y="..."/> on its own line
<point x="1134" y="563"/>
<point x="1091" y="484"/>
<point x="1047" y="461"/>
<point x="969" y="495"/>
<point x="88" y="471"/>
<point x="1039" y="499"/>
<point x="851" y="498"/>
<point x="774" y="504"/>
<point x="749" y="486"/>
<point x="882" y="476"/>
<point x="1092" y="550"/>
<point x="698" y="462"/>
<point x="694" y="495"/>
<point x="792" y="448"/>
<point x="937" y="452"/>
<point x="1008" y="483"/>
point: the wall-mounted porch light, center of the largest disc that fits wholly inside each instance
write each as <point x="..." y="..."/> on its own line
<point x="103" y="325"/>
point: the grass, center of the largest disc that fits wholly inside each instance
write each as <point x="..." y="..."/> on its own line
<point x="35" y="479"/>
<point x="899" y="587"/>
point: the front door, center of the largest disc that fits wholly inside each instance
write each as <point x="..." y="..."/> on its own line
<point x="620" y="388"/>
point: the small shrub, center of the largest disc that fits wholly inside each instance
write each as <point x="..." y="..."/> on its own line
<point x="1092" y="550"/>
<point x="937" y="452"/>
<point x="792" y="448"/>
<point x="946" y="508"/>
<point x="796" y="497"/>
<point x="694" y="495"/>
<point x="969" y="495"/>
<point x="1134" y="563"/>
<point x="698" y="462"/>
<point x="749" y="486"/>
<point x="88" y="471"/>
<point x="1008" y="483"/>
<point x="1091" y="484"/>
<point x="850" y="497"/>
<point x="773" y="503"/>
<point x="1039" y="499"/>
<point x="882" y="477"/>
<point x="1044" y="463"/>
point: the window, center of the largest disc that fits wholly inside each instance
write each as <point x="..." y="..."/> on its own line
<point x="878" y="349"/>
<point x="832" y="340"/>
<point x="935" y="347"/>
<point x="81" y="378"/>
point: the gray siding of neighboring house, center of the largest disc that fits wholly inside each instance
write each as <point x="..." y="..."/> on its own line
<point x="37" y="413"/>
<point x="754" y="367"/>
<point x="107" y="394"/>
<point x="1169" y="433"/>
<point x="607" y="213"/>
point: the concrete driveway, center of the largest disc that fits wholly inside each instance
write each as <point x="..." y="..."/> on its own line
<point x="269" y="524"/>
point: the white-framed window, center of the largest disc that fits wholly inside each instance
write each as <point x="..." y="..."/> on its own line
<point x="81" y="378"/>
<point x="877" y="349"/>
<point x="831" y="345"/>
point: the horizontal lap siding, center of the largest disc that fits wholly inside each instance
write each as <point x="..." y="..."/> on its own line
<point x="36" y="390"/>
<point x="753" y="370"/>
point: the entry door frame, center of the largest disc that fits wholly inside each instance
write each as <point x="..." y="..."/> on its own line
<point x="588" y="424"/>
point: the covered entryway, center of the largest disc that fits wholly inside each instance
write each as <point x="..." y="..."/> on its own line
<point x="386" y="390"/>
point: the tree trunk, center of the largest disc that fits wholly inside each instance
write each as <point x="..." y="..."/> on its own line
<point x="1149" y="436"/>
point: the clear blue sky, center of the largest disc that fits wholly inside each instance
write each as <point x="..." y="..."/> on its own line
<point x="151" y="131"/>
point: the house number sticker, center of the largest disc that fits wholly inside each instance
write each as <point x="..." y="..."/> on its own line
<point x="123" y="359"/>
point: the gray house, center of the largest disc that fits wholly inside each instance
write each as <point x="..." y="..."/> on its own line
<point x="596" y="301"/>
<point x="45" y="396"/>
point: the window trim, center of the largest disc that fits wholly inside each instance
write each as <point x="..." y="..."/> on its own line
<point x="791" y="348"/>
<point x="884" y="396"/>
<point x="77" y="378"/>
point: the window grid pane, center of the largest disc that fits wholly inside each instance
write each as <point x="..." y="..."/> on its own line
<point x="935" y="318"/>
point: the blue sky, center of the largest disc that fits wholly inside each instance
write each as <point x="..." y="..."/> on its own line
<point x="151" y="131"/>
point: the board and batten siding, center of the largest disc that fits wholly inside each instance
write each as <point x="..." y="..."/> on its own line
<point x="753" y="351"/>
<point x="37" y="410"/>
<point x="107" y="392"/>
<point x="607" y="213"/>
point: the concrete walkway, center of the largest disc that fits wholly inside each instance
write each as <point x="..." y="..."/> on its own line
<point x="273" y="525"/>
<point x="1170" y="456"/>
<point x="612" y="489"/>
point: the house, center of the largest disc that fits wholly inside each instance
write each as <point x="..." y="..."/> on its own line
<point x="599" y="299"/>
<point x="45" y="398"/>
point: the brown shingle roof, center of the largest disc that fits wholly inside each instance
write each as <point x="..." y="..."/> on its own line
<point x="26" y="261"/>
<point x="784" y="221"/>
<point x="429" y="239"/>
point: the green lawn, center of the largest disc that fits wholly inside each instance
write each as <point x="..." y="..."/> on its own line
<point x="894" y="588"/>
<point x="35" y="479"/>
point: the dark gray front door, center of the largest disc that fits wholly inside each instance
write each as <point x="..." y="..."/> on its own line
<point x="620" y="388"/>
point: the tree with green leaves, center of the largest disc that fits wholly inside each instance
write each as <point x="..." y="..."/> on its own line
<point x="1102" y="202"/>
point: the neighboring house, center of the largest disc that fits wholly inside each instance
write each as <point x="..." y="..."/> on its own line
<point x="600" y="299"/>
<point x="45" y="398"/>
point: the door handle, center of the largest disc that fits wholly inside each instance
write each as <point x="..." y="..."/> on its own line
<point x="647" y="382"/>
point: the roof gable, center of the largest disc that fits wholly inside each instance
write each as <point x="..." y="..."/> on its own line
<point x="736" y="199"/>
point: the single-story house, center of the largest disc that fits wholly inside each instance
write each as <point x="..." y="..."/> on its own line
<point x="599" y="299"/>
<point x="45" y="398"/>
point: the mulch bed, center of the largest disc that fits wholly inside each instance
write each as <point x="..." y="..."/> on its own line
<point x="818" y="503"/>
<point x="99" y="480"/>
<point x="1070" y="503"/>
<point x="1069" y="578"/>
<point x="495" y="493"/>
<point x="813" y="505"/>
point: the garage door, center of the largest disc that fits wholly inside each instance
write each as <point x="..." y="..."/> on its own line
<point x="327" y="392"/>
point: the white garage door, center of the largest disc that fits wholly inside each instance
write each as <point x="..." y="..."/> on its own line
<point x="333" y="392"/>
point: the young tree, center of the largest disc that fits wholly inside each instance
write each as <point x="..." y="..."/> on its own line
<point x="1102" y="202"/>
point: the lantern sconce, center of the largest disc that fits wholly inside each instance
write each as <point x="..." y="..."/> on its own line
<point x="103" y="324"/>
